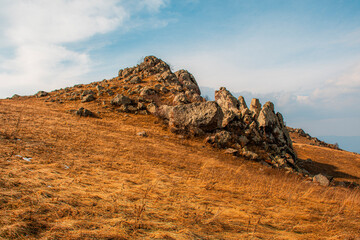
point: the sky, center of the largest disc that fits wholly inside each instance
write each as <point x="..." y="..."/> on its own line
<point x="302" y="55"/>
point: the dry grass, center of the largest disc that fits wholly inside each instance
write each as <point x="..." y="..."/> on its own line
<point x="96" y="179"/>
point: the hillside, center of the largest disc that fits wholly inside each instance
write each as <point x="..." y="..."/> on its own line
<point x="65" y="176"/>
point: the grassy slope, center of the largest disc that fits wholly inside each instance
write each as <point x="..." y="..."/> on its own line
<point x="96" y="179"/>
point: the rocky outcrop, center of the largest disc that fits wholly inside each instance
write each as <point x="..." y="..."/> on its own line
<point x="313" y="140"/>
<point x="256" y="133"/>
<point x="206" y="116"/>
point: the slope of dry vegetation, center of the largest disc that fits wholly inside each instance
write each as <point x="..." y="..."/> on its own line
<point x="96" y="179"/>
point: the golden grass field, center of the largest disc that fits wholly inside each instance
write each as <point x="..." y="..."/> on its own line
<point x="94" y="178"/>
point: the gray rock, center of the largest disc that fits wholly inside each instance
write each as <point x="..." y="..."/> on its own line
<point x="267" y="116"/>
<point x="151" y="108"/>
<point x="229" y="105"/>
<point x="88" y="98"/>
<point x="207" y="116"/>
<point x="120" y="99"/>
<point x="321" y="179"/>
<point x="180" y="99"/>
<point x="255" y="106"/>
<point x="242" y="103"/>
<point x="221" y="139"/>
<point x="187" y="81"/>
<point x="164" y="111"/>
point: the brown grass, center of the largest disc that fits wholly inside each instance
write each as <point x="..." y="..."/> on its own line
<point x="96" y="179"/>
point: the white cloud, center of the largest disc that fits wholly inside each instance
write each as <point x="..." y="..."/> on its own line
<point x="38" y="33"/>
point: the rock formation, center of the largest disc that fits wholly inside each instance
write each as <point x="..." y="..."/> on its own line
<point x="257" y="132"/>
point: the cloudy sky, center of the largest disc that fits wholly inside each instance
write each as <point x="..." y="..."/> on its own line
<point x="303" y="55"/>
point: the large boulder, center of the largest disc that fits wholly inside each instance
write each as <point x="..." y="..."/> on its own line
<point x="206" y="116"/>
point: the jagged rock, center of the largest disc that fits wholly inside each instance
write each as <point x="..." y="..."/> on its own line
<point x="220" y="139"/>
<point x="206" y="116"/>
<point x="15" y="96"/>
<point x="164" y="112"/>
<point x="229" y="105"/>
<point x="242" y="103"/>
<point x="120" y="99"/>
<point x="41" y="94"/>
<point x="88" y="98"/>
<point x="321" y="179"/>
<point x="255" y="106"/>
<point x="152" y="108"/>
<point x="187" y="81"/>
<point x="180" y="99"/>
<point x="167" y="76"/>
<point x="267" y="116"/>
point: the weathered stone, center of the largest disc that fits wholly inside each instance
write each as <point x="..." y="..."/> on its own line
<point x="242" y="103"/>
<point x="164" y="111"/>
<point x="120" y="99"/>
<point x="321" y="179"/>
<point x="88" y="98"/>
<point x="151" y="108"/>
<point x="229" y="105"/>
<point x="267" y="116"/>
<point x="206" y="116"/>
<point x="180" y="99"/>
<point x="222" y="139"/>
<point x="255" y="106"/>
<point x="187" y="81"/>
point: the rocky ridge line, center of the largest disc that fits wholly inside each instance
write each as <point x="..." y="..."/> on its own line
<point x="255" y="132"/>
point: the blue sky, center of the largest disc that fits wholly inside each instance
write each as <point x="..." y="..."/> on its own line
<point x="303" y="55"/>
